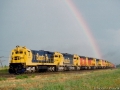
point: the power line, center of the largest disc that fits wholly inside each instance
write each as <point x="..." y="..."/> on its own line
<point x="6" y="57"/>
<point x="4" y="51"/>
<point x="1" y="60"/>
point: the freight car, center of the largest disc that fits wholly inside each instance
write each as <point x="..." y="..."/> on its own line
<point x="25" y="60"/>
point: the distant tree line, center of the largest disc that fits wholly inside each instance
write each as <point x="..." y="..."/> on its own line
<point x="118" y="66"/>
<point x="5" y="66"/>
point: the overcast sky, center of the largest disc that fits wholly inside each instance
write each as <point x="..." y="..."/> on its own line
<point x="51" y="25"/>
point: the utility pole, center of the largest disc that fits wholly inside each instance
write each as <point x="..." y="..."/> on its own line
<point x="1" y="61"/>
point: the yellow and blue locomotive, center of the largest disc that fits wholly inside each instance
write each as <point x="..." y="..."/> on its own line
<point x="26" y="60"/>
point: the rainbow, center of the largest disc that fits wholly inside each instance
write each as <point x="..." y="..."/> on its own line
<point x="85" y="27"/>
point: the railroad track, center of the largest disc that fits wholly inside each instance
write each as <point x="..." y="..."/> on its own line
<point x="7" y="75"/>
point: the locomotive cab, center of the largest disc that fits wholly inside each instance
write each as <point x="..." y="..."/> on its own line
<point x="76" y="60"/>
<point x="19" y="55"/>
<point x="58" y="58"/>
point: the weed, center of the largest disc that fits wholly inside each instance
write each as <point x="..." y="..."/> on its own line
<point x="4" y="70"/>
<point x="2" y="78"/>
<point x="33" y="75"/>
<point x="19" y="88"/>
<point x="54" y="87"/>
<point x="21" y="76"/>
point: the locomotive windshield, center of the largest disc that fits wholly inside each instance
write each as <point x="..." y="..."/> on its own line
<point x="18" y="52"/>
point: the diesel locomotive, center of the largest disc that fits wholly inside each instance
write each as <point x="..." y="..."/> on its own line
<point x="24" y="60"/>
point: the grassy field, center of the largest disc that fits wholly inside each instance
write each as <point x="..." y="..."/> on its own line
<point x="3" y="70"/>
<point x="95" y="80"/>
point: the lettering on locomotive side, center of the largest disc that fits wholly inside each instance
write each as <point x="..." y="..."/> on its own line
<point x="41" y="57"/>
<point x="66" y="61"/>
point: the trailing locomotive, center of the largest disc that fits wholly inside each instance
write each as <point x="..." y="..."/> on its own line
<point x="25" y="60"/>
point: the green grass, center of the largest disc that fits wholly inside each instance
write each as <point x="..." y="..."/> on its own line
<point x="96" y="80"/>
<point x="89" y="82"/>
<point x="2" y="78"/>
<point x="21" y="76"/>
<point x="33" y="75"/>
<point x="3" y="70"/>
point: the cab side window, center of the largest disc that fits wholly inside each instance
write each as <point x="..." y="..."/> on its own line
<point x="12" y="53"/>
<point x="56" y="56"/>
<point x="29" y="53"/>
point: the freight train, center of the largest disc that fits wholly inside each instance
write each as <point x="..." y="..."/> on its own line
<point x="24" y="60"/>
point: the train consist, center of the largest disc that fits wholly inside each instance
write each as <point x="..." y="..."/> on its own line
<point x="25" y="60"/>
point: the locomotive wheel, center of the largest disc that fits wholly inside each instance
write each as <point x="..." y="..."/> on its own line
<point x="56" y="69"/>
<point x="16" y="71"/>
<point x="11" y="71"/>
